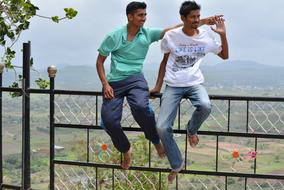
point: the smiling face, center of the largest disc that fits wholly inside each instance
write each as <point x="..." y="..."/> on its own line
<point x="192" y="20"/>
<point x="137" y="18"/>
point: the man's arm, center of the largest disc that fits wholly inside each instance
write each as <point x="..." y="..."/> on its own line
<point x="210" y="20"/>
<point x="221" y="30"/>
<point x="206" y="21"/>
<point x="161" y="74"/>
<point x="167" y="29"/>
<point x="107" y="89"/>
<point x="224" y="54"/>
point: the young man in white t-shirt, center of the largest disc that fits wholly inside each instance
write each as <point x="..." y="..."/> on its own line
<point x="184" y="48"/>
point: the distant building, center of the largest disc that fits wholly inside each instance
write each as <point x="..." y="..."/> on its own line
<point x="58" y="148"/>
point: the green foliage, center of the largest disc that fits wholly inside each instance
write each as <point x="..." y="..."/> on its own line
<point x="13" y="161"/>
<point x="39" y="163"/>
<point x="42" y="83"/>
<point x="277" y="158"/>
<point x="15" y="94"/>
<point x="31" y="62"/>
<point x="15" y="17"/>
<point x="10" y="54"/>
<point x="70" y="13"/>
<point x="55" y="19"/>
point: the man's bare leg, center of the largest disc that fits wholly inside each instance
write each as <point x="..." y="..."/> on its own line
<point x="160" y="150"/>
<point x="172" y="176"/>
<point x="126" y="162"/>
<point x="173" y="173"/>
<point x="193" y="140"/>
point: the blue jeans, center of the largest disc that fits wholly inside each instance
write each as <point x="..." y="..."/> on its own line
<point x="170" y="101"/>
<point x="136" y="91"/>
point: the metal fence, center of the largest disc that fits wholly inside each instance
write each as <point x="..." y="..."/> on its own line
<point x="240" y="141"/>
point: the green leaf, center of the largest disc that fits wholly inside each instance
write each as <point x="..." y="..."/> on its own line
<point x="70" y="13"/>
<point x="42" y="84"/>
<point x="55" y="19"/>
<point x="11" y="35"/>
<point x="2" y="42"/>
<point x="15" y="94"/>
<point x="8" y="64"/>
<point x="31" y="62"/>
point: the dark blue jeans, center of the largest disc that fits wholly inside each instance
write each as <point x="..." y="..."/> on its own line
<point x="136" y="91"/>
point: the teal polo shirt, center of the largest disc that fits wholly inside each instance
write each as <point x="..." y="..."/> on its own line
<point x="127" y="57"/>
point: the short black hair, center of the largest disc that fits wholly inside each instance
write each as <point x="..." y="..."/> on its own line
<point x="134" y="5"/>
<point x="188" y="6"/>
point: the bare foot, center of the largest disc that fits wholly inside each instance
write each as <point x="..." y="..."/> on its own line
<point x="172" y="176"/>
<point x="126" y="159"/>
<point x="193" y="140"/>
<point x="160" y="150"/>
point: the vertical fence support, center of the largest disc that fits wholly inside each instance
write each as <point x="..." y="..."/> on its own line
<point x="26" y="173"/>
<point x="51" y="73"/>
<point x="1" y="139"/>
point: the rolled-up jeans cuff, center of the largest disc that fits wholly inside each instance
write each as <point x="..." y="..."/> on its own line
<point x="179" y="168"/>
<point x="190" y="133"/>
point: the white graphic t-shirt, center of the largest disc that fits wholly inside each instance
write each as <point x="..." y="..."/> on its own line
<point x="186" y="54"/>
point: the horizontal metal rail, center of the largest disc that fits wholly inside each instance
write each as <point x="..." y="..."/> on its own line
<point x="177" y="131"/>
<point x="195" y="172"/>
<point x="157" y="95"/>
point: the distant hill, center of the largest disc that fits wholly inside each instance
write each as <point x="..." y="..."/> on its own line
<point x="228" y="74"/>
<point x="244" y="73"/>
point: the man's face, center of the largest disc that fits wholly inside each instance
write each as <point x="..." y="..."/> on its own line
<point x="137" y="18"/>
<point x="192" y="20"/>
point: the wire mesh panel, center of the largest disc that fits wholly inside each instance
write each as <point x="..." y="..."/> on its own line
<point x="76" y="177"/>
<point x="266" y="117"/>
<point x="265" y="184"/>
<point x="76" y="109"/>
<point x="198" y="182"/>
<point x="235" y="154"/>
<point x="220" y="151"/>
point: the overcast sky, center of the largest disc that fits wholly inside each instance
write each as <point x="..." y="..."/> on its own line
<point x="254" y="29"/>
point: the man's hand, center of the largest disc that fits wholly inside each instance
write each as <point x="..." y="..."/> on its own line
<point x="211" y="20"/>
<point x="153" y="91"/>
<point x="220" y="27"/>
<point x="108" y="91"/>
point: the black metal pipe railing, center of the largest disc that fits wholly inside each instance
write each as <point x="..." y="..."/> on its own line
<point x="1" y="141"/>
<point x="51" y="139"/>
<point x="166" y="170"/>
<point x="26" y="172"/>
<point x="217" y="134"/>
<point x="8" y="186"/>
<point x="53" y="161"/>
<point x="155" y="95"/>
<point x="178" y="131"/>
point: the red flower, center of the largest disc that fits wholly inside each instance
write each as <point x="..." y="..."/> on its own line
<point x="235" y="154"/>
<point x="252" y="154"/>
<point x="104" y="147"/>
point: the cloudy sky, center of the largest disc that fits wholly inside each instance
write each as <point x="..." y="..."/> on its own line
<point x="254" y="29"/>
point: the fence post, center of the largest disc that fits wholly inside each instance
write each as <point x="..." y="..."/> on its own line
<point x="1" y="139"/>
<point x="26" y="173"/>
<point x="51" y="73"/>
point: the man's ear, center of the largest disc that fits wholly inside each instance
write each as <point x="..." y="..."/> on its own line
<point x="130" y="17"/>
<point x="182" y="17"/>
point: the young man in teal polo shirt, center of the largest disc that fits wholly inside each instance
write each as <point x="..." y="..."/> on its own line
<point x="128" y="47"/>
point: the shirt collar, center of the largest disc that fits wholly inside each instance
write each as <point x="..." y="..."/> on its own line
<point x="125" y="32"/>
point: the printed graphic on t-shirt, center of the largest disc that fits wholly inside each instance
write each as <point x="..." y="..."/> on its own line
<point x="187" y="56"/>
